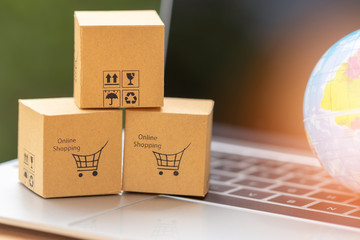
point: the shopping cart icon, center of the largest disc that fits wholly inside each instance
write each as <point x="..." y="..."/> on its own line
<point x="88" y="162"/>
<point x="169" y="161"/>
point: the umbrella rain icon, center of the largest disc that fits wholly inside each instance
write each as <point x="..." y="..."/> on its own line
<point x="111" y="96"/>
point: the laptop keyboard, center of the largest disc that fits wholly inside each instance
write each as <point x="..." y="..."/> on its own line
<point x="283" y="188"/>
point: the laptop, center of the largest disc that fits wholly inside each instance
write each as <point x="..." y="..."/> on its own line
<point x="264" y="183"/>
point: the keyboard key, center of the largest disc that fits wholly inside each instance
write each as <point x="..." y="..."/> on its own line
<point x="305" y="169"/>
<point x="270" y="163"/>
<point x="220" y="178"/>
<point x="224" y="162"/>
<point x="252" y="193"/>
<point x="356" y="202"/>
<point x="303" y="181"/>
<point x="336" y="186"/>
<point x="355" y="214"/>
<point x="233" y="157"/>
<point x="291" y="200"/>
<point x="331" y="196"/>
<point x="219" y="187"/>
<point x="229" y="168"/>
<point x="324" y="174"/>
<point x="331" y="207"/>
<point x="244" y="165"/>
<point x="253" y="161"/>
<point x="266" y="174"/>
<point x="217" y="154"/>
<point x="254" y="183"/>
<point x="291" y="189"/>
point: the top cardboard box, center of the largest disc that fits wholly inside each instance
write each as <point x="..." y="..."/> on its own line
<point x="118" y="59"/>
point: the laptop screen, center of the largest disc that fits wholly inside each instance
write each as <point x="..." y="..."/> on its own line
<point x="253" y="58"/>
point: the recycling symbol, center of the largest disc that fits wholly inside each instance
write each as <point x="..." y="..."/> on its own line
<point x="31" y="181"/>
<point x="130" y="98"/>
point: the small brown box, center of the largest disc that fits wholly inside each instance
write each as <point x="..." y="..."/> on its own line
<point x="118" y="59"/>
<point x="167" y="150"/>
<point x="65" y="151"/>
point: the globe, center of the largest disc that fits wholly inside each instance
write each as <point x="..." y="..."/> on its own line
<point x="332" y="110"/>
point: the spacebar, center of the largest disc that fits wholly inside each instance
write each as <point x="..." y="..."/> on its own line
<point x="280" y="209"/>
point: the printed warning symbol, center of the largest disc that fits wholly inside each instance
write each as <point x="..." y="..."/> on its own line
<point x="131" y="78"/>
<point x="29" y="168"/>
<point x="29" y="178"/>
<point x="29" y="160"/>
<point x="111" y="79"/>
<point x="112" y="98"/>
<point x="131" y="98"/>
<point x="26" y="158"/>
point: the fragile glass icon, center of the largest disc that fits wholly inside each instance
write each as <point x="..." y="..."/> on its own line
<point x="130" y="76"/>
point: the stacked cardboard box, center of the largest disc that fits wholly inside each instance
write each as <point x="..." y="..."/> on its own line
<point x="119" y="59"/>
<point x="73" y="146"/>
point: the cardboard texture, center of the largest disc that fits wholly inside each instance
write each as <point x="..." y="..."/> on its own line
<point x="65" y="151"/>
<point x="167" y="150"/>
<point x="118" y="59"/>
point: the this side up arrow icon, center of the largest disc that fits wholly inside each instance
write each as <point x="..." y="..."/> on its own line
<point x="115" y="77"/>
<point x="108" y="77"/>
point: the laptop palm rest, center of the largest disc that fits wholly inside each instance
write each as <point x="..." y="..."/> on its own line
<point x="164" y="217"/>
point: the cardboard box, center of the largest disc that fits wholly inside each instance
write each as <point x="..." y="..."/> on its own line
<point x="64" y="151"/>
<point x="119" y="59"/>
<point x="167" y="150"/>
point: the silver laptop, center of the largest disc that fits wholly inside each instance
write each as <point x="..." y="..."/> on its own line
<point x="263" y="186"/>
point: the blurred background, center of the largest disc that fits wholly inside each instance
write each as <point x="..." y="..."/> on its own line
<point x="252" y="57"/>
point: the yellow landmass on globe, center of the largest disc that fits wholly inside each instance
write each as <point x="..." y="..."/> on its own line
<point x="342" y="93"/>
<point x="350" y="120"/>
